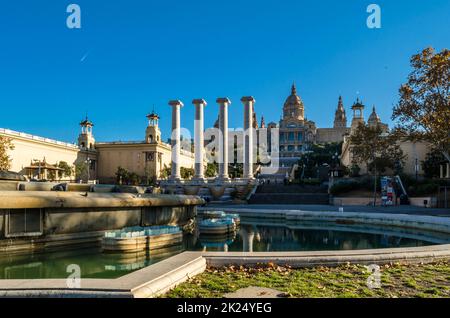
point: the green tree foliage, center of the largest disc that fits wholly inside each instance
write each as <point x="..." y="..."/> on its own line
<point x="81" y="170"/>
<point x="67" y="170"/>
<point x="51" y="175"/>
<point x="124" y="176"/>
<point x="236" y="170"/>
<point x="211" y="170"/>
<point x="376" y="149"/>
<point x="186" y="173"/>
<point x="121" y="175"/>
<point x="5" y="145"/>
<point x="423" y="112"/>
<point x="431" y="164"/>
<point x="318" y="155"/>
<point x="166" y="171"/>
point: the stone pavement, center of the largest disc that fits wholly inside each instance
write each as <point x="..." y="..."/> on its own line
<point x="401" y="209"/>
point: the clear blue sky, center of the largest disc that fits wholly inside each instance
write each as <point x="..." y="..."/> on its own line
<point x="131" y="55"/>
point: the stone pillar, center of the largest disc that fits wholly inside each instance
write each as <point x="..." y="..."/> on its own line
<point x="198" y="138"/>
<point x="448" y="171"/>
<point x="223" y="142"/>
<point x="441" y="171"/>
<point x="175" y="140"/>
<point x="248" y="102"/>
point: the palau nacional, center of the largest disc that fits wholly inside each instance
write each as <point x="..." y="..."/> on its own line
<point x="38" y="158"/>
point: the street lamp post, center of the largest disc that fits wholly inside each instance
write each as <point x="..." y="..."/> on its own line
<point x="88" y="162"/>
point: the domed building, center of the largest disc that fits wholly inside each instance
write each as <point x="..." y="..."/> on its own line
<point x="296" y="131"/>
<point x="374" y="120"/>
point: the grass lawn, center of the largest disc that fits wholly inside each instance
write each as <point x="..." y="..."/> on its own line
<point x="397" y="280"/>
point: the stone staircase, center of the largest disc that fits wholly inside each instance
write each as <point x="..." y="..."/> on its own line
<point x="289" y="194"/>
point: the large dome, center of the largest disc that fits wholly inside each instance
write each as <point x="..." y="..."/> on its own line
<point x="374" y="118"/>
<point x="293" y="99"/>
<point x="293" y="106"/>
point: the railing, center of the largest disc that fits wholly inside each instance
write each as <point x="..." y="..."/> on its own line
<point x="38" y="138"/>
<point x="120" y="142"/>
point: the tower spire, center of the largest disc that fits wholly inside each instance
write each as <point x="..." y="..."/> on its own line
<point x="293" y="89"/>
<point x="340" y="103"/>
<point x="340" y="119"/>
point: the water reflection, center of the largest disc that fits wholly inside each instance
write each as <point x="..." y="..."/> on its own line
<point x="256" y="238"/>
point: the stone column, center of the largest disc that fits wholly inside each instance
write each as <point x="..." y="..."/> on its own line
<point x="448" y="171"/>
<point x="175" y="140"/>
<point x="248" y="102"/>
<point x="441" y="171"/>
<point x="198" y="138"/>
<point x="223" y="141"/>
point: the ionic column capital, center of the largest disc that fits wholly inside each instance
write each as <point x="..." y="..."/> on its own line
<point x="199" y="101"/>
<point x="176" y="102"/>
<point x="223" y="101"/>
<point x="248" y="99"/>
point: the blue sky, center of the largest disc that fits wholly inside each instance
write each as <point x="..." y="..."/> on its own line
<point x="131" y="55"/>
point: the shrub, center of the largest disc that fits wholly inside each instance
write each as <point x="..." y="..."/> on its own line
<point x="344" y="187"/>
<point x="310" y="181"/>
<point x="423" y="189"/>
<point x="363" y="183"/>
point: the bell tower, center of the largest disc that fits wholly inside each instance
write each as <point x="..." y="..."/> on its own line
<point x="358" y="113"/>
<point x="340" y="120"/>
<point x="86" y="140"/>
<point x="152" y="133"/>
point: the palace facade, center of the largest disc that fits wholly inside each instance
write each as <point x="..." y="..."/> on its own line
<point x="296" y="131"/>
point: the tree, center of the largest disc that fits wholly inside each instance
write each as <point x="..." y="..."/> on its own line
<point x="378" y="150"/>
<point x="423" y="112"/>
<point x="51" y="175"/>
<point x="67" y="170"/>
<point x="186" y="173"/>
<point x="80" y="170"/>
<point x="122" y="175"/>
<point x="166" y="171"/>
<point x="318" y="155"/>
<point x="431" y="164"/>
<point x="5" y="145"/>
<point x="133" y="179"/>
<point x="211" y="170"/>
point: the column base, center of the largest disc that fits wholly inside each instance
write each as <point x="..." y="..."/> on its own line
<point x="198" y="180"/>
<point x="223" y="179"/>
<point x="174" y="180"/>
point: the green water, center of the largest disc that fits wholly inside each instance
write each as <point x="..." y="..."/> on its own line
<point x="92" y="263"/>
